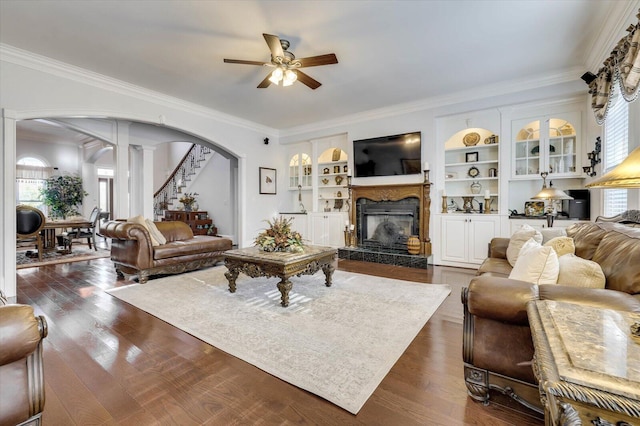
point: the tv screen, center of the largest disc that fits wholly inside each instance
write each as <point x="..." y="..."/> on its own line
<point x="387" y="155"/>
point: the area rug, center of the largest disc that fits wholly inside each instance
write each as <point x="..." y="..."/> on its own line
<point x="337" y="342"/>
<point x="79" y="253"/>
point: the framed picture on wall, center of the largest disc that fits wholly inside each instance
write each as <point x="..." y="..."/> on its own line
<point x="267" y="180"/>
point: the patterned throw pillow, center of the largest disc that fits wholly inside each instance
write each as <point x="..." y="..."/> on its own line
<point x="578" y="272"/>
<point x="562" y="245"/>
<point x="518" y="239"/>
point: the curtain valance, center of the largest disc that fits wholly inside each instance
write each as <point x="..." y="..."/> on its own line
<point x="33" y="172"/>
<point x="621" y="67"/>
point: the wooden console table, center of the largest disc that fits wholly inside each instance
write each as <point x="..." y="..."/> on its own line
<point x="587" y="364"/>
<point x="255" y="262"/>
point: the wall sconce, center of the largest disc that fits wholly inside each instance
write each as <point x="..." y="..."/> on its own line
<point x="594" y="157"/>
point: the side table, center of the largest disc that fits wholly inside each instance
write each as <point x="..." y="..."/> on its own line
<point x="587" y="364"/>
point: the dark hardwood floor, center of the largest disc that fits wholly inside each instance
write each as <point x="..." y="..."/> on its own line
<point x="107" y="362"/>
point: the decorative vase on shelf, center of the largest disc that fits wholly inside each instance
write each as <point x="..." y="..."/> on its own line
<point x="476" y="187"/>
<point x="187" y="207"/>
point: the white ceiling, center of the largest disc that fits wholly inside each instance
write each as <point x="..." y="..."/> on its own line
<point x="389" y="52"/>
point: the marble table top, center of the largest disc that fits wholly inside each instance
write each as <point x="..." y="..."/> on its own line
<point x="593" y="347"/>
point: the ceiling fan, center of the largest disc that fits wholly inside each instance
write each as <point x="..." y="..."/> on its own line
<point x="287" y="67"/>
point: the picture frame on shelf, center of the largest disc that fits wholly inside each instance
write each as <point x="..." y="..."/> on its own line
<point x="267" y="180"/>
<point x="336" y="169"/>
<point x="471" y="157"/>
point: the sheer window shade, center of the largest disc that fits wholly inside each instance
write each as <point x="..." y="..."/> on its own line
<point x="616" y="149"/>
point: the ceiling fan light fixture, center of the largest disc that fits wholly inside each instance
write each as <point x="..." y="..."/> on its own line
<point x="289" y="78"/>
<point x="276" y="75"/>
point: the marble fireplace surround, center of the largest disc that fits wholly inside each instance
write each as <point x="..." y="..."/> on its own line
<point x="398" y="192"/>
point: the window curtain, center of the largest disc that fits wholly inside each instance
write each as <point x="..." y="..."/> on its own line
<point x="621" y="67"/>
<point x="33" y="172"/>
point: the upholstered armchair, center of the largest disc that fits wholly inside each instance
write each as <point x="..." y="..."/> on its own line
<point x="29" y="224"/>
<point x="21" y="365"/>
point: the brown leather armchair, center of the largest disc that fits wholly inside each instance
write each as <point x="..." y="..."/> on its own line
<point x="21" y="366"/>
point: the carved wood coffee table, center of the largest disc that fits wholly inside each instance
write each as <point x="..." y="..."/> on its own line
<point x="255" y="262"/>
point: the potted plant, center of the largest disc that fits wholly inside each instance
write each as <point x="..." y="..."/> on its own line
<point x="188" y="200"/>
<point x="280" y="237"/>
<point x="63" y="194"/>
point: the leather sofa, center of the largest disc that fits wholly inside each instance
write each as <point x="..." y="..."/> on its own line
<point x="497" y="344"/>
<point x="21" y="365"/>
<point x="132" y="251"/>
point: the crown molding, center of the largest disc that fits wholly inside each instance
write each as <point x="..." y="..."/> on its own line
<point x="619" y="16"/>
<point x="479" y="93"/>
<point x="47" y="65"/>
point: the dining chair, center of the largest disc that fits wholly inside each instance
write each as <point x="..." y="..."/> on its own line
<point x="103" y="217"/>
<point x="29" y="224"/>
<point x="90" y="232"/>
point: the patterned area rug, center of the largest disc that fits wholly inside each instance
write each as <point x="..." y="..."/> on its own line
<point x="337" y="342"/>
<point x="79" y="253"/>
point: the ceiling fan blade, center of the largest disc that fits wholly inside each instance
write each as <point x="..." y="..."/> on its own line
<point x="240" y="61"/>
<point x="315" y="61"/>
<point x="265" y="83"/>
<point x="274" y="45"/>
<point x="308" y="81"/>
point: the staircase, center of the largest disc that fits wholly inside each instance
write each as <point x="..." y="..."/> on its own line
<point x="190" y="165"/>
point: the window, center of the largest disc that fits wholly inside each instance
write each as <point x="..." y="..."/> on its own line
<point x="616" y="149"/>
<point x="30" y="177"/>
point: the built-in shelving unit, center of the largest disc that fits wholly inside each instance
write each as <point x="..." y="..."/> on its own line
<point x="332" y="180"/>
<point x="471" y="169"/>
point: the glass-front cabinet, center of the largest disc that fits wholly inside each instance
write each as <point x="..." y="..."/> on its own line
<point x="300" y="171"/>
<point x="546" y="144"/>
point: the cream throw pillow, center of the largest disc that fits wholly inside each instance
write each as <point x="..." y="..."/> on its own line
<point x="562" y="245"/>
<point x="536" y="264"/>
<point x="518" y="239"/>
<point x="141" y="221"/>
<point x="155" y="232"/>
<point x="578" y="272"/>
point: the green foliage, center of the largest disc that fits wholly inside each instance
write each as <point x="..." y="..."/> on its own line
<point x="280" y="237"/>
<point x="63" y="195"/>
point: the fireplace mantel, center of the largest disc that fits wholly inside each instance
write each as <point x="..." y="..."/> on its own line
<point x="398" y="192"/>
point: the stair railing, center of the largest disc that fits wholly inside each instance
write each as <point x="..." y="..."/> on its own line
<point x="179" y="178"/>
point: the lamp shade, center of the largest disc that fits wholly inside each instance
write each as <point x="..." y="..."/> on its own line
<point x="624" y="175"/>
<point x="551" y="194"/>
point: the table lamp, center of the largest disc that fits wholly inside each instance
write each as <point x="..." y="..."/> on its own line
<point x="550" y="193"/>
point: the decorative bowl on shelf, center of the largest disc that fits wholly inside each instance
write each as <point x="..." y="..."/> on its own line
<point x="325" y="181"/>
<point x="471" y="139"/>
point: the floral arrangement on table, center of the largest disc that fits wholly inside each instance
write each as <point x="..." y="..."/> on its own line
<point x="188" y="200"/>
<point x="280" y="237"/>
<point x="63" y="194"/>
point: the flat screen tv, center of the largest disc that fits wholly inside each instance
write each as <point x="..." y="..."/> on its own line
<point x="387" y="155"/>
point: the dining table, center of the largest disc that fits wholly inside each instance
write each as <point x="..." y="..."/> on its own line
<point x="50" y="241"/>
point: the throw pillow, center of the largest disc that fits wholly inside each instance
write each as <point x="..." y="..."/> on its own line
<point x="536" y="264"/>
<point x="518" y="239"/>
<point x="141" y="221"/>
<point x="578" y="272"/>
<point x="155" y="232"/>
<point x="562" y="245"/>
<point x="550" y="233"/>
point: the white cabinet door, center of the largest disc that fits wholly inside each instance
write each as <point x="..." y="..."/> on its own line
<point x="465" y="238"/>
<point x="327" y="228"/>
<point x="454" y="238"/>
<point x="481" y="230"/>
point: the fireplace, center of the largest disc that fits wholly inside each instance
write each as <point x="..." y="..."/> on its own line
<point x="384" y="217"/>
<point x="385" y="226"/>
